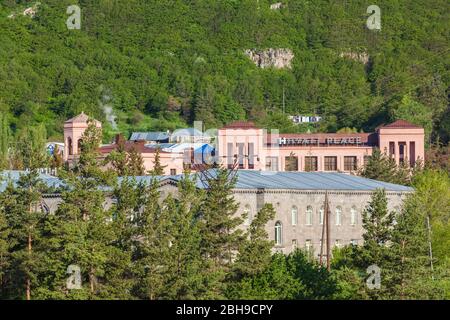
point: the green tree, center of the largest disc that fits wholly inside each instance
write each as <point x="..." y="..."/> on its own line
<point x="221" y="237"/>
<point x="4" y="141"/>
<point x="158" y="168"/>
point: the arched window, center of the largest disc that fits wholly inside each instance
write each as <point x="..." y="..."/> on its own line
<point x="80" y="142"/>
<point x="321" y="211"/>
<point x="309" y="215"/>
<point x="338" y="216"/>
<point x="70" y="145"/>
<point x="353" y="214"/>
<point x="278" y="233"/>
<point x="294" y="215"/>
<point x="248" y="215"/>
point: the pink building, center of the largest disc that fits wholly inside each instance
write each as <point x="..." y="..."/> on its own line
<point x="345" y="152"/>
<point x="73" y="132"/>
<point x="253" y="148"/>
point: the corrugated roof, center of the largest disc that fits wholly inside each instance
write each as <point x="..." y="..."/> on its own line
<point x="252" y="179"/>
<point x="150" y="136"/>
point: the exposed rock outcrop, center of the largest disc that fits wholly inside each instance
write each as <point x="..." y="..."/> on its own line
<point x="275" y="58"/>
<point x="362" y="57"/>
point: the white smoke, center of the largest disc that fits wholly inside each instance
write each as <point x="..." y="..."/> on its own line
<point x="108" y="110"/>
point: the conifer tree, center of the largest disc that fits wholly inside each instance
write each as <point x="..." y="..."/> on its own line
<point x="118" y="158"/>
<point x="21" y="207"/>
<point x="4" y="141"/>
<point x="135" y="163"/>
<point x="380" y="167"/>
<point x="221" y="237"/>
<point x="158" y="169"/>
<point x="4" y="245"/>
<point x="185" y="263"/>
<point x="255" y="252"/>
<point x="407" y="273"/>
<point x="83" y="230"/>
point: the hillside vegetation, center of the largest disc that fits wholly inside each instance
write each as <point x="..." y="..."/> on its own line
<point x="163" y="64"/>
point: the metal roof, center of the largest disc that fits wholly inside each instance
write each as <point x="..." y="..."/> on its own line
<point x="252" y="179"/>
<point x="149" y="136"/>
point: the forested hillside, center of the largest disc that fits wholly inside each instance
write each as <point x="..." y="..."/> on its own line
<point x="162" y="64"/>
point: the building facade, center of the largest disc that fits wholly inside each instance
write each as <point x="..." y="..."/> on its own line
<point x="244" y="145"/>
<point x="297" y="197"/>
<point x="254" y="149"/>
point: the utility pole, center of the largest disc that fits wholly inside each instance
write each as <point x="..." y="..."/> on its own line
<point x="326" y="232"/>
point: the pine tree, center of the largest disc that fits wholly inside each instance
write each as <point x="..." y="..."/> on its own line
<point x="135" y="163"/>
<point x="407" y="274"/>
<point x="118" y="158"/>
<point x="21" y="206"/>
<point x="380" y="167"/>
<point x="221" y="237"/>
<point x="4" y="141"/>
<point x="151" y="244"/>
<point x="158" y="169"/>
<point x="29" y="148"/>
<point x="83" y="233"/>
<point x="377" y="225"/>
<point x="185" y="262"/>
<point x="255" y="252"/>
<point x="4" y="245"/>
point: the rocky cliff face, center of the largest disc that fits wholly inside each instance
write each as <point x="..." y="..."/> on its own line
<point x="362" y="57"/>
<point x="276" y="58"/>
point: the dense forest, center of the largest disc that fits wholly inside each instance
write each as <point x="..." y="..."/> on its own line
<point x="162" y="64"/>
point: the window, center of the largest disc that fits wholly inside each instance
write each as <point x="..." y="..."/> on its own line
<point x="309" y="213"/>
<point x="350" y="163"/>
<point x="70" y="145"/>
<point x="251" y="155"/>
<point x="391" y="149"/>
<point x="294" y="215"/>
<point x="291" y="163"/>
<point x="272" y="163"/>
<point x="308" y="245"/>
<point x="402" y="151"/>
<point x="230" y="155"/>
<point x="338" y="243"/>
<point x="80" y="143"/>
<point x="321" y="211"/>
<point x="278" y="233"/>
<point x="248" y="215"/>
<point x="241" y="156"/>
<point x="338" y="216"/>
<point x="353" y="214"/>
<point x="294" y="244"/>
<point x="173" y="172"/>
<point x="330" y="163"/>
<point x="310" y="163"/>
<point x="412" y="153"/>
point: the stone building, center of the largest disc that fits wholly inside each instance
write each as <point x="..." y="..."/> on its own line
<point x="298" y="199"/>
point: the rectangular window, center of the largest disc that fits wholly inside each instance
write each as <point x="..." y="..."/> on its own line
<point x="294" y="244"/>
<point x="350" y="163"/>
<point x="412" y="153"/>
<point x="308" y="245"/>
<point x="330" y="163"/>
<point x="251" y="156"/>
<point x="291" y="163"/>
<point x="241" y="156"/>
<point x="173" y="172"/>
<point x="272" y="163"/>
<point x="310" y="163"/>
<point x="402" y="151"/>
<point x="230" y="155"/>
<point x="391" y="148"/>
<point x="366" y="160"/>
